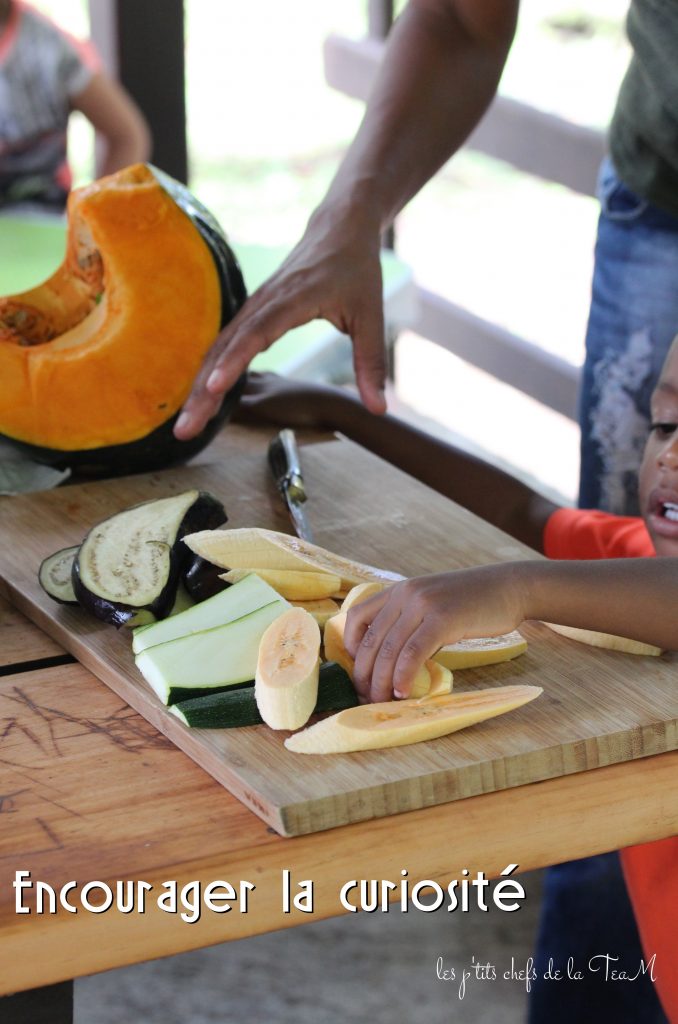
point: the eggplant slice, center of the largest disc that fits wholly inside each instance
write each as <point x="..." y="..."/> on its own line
<point x="202" y="579"/>
<point x="55" y="575"/>
<point x="128" y="567"/>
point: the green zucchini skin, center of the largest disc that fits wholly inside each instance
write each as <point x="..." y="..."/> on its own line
<point x="234" y="709"/>
<point x="184" y="694"/>
<point x="206" y="513"/>
<point x="160" y="449"/>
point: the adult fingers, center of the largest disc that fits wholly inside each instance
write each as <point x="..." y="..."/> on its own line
<point x="369" y="355"/>
<point x="230" y="356"/>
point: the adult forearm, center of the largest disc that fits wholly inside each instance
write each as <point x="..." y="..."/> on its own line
<point x="441" y="70"/>
<point x="632" y="597"/>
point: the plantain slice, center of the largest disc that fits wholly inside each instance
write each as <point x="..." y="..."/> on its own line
<point x="397" y="723"/>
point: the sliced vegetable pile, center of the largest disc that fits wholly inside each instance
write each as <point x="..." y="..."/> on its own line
<point x="128" y="568"/>
<point x="250" y="651"/>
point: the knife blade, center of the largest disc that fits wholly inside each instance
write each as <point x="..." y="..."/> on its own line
<point x="283" y="458"/>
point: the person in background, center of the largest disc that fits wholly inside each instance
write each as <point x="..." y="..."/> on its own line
<point x="440" y="71"/>
<point x="45" y="74"/>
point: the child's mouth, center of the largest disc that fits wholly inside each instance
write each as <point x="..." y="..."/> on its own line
<point x="669" y="510"/>
<point x="662" y="517"/>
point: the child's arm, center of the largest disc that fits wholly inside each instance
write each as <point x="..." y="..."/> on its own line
<point x="491" y="493"/>
<point x="116" y="117"/>
<point x="392" y="634"/>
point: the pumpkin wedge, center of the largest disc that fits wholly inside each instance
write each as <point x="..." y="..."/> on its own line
<point x="96" y="362"/>
<point x="607" y="640"/>
<point x="288" y="666"/>
<point x="397" y="723"/>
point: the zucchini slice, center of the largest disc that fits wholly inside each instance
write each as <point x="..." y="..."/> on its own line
<point x="127" y="568"/>
<point x="54" y="575"/>
<point x="213" y="659"/>
<point x="231" y="604"/>
<point x="236" y="708"/>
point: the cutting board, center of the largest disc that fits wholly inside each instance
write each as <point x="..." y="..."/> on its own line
<point x="598" y="707"/>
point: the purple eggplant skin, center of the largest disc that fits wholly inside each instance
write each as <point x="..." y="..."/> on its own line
<point x="206" y="513"/>
<point x="201" y="578"/>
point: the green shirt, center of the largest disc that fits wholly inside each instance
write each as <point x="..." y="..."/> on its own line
<point x="644" y="129"/>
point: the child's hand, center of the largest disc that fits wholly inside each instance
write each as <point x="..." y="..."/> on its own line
<point x="391" y="635"/>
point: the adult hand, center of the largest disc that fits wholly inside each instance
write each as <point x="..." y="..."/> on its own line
<point x="334" y="274"/>
<point x="390" y="636"/>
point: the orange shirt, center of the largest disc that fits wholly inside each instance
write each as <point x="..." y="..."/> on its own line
<point x="651" y="870"/>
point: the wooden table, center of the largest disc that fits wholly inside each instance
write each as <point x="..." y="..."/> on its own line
<point x="99" y="794"/>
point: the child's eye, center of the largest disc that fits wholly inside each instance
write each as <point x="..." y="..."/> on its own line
<point x="663" y="429"/>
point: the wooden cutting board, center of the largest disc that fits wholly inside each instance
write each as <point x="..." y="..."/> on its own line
<point x="598" y="707"/>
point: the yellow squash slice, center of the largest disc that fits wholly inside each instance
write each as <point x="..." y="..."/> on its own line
<point x="290" y="583"/>
<point x="286" y="680"/>
<point x="396" y="723"/>
<point x="441" y="680"/>
<point x="487" y="650"/>
<point x="608" y="640"/>
<point x="361" y="593"/>
<point x="253" y="548"/>
<point x="321" y="611"/>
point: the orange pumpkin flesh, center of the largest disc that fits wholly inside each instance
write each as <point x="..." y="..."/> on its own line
<point x="105" y="352"/>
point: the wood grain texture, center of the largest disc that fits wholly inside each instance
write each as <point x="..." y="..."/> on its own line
<point x="598" y="708"/>
<point x="90" y="790"/>
<point x="20" y="640"/>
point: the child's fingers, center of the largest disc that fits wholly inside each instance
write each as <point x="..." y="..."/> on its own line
<point x="421" y="645"/>
<point x="359" y="618"/>
<point x="370" y="645"/>
<point x="395" y="641"/>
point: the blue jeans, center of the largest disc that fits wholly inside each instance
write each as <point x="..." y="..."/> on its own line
<point x="632" y="322"/>
<point x="586" y="913"/>
<point x="633" y="319"/>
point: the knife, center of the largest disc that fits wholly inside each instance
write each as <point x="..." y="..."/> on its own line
<point x="283" y="458"/>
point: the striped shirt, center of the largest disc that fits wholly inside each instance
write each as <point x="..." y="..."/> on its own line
<point x="41" y="70"/>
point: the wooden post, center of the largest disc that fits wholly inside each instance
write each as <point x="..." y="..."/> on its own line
<point x="142" y="45"/>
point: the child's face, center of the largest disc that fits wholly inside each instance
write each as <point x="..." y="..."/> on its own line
<point x="658" y="482"/>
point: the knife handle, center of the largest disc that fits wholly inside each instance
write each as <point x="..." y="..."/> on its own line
<point x="283" y="456"/>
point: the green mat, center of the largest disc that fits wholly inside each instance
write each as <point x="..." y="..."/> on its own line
<point x="31" y="249"/>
